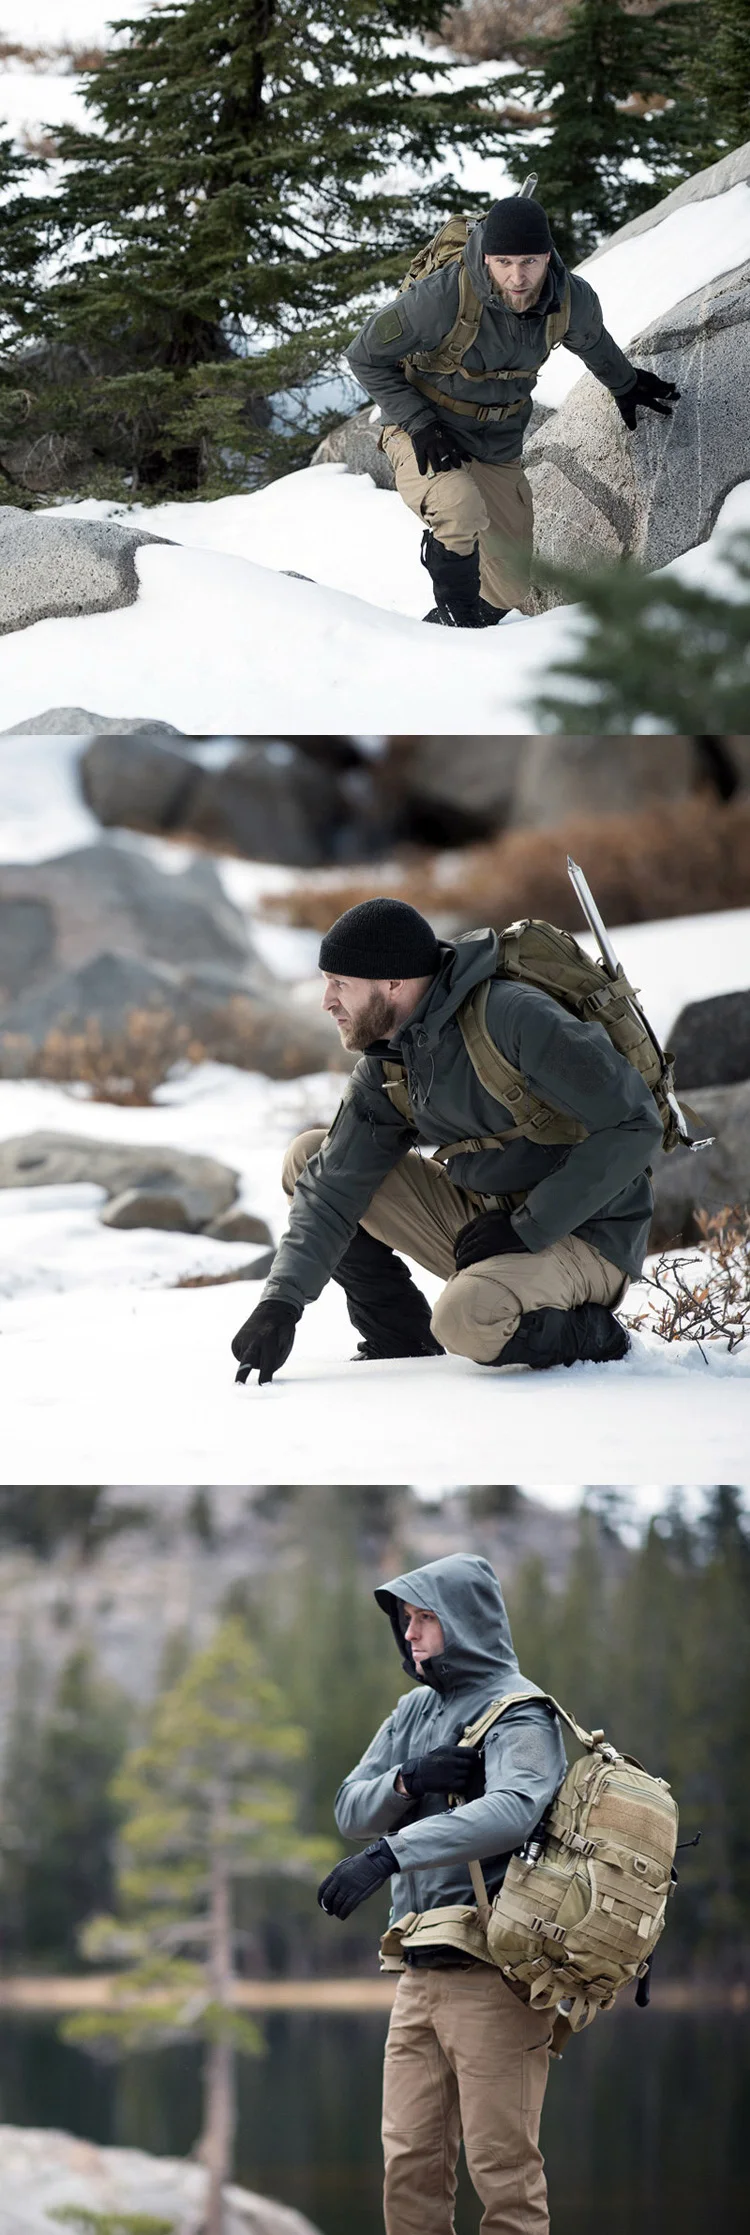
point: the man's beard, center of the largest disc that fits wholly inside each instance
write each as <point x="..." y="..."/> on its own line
<point x="529" y="301"/>
<point x="375" y="1022"/>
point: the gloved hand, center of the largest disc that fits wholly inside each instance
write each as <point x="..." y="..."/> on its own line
<point x="435" y="450"/>
<point x="448" y="1769"/>
<point x="650" y="392"/>
<point x="490" y="1235"/>
<point x="356" y="1879"/>
<point x="266" y="1338"/>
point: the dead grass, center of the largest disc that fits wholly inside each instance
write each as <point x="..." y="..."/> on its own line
<point x="75" y="59"/>
<point x="500" y="30"/>
<point x="681" y="858"/>
<point x="694" y="1301"/>
<point x="214" y="1280"/>
<point x="124" y="1067"/>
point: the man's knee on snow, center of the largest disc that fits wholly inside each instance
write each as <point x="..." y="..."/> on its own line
<point x="464" y="1324"/>
<point x="298" y="1155"/>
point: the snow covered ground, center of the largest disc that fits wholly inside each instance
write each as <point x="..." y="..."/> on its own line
<point x="109" y="1371"/>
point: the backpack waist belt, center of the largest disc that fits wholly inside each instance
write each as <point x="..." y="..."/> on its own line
<point x="480" y="412"/>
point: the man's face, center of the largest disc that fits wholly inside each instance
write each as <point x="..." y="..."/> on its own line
<point x="519" y="279"/>
<point x="363" y="1008"/>
<point x="424" y="1633"/>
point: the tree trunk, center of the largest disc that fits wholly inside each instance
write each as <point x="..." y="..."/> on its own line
<point x="219" y="2098"/>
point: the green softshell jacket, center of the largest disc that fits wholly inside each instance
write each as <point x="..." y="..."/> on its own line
<point x="524" y="1756"/>
<point x="599" y="1188"/>
<point x="420" y="318"/>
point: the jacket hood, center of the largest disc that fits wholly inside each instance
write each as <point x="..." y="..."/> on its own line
<point x="552" y="291"/>
<point x="463" y="964"/>
<point x="464" y="1593"/>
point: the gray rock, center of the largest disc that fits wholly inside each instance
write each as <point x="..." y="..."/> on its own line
<point x="708" y="1179"/>
<point x="168" y="1188"/>
<point x="52" y="566"/>
<point x="120" y="1018"/>
<point x="472" y="778"/>
<point x="240" y="1226"/>
<point x="601" y="492"/>
<point x="354" y="444"/>
<point x="272" y="802"/>
<point x="593" y="776"/>
<point x="76" y="721"/>
<point x="106" y="898"/>
<point x="719" y="178"/>
<point x="45" y="2171"/>
<point x="711" y="1040"/>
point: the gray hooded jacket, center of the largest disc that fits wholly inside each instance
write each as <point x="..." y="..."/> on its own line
<point x="599" y="1189"/>
<point x="507" y="339"/>
<point x="524" y="1755"/>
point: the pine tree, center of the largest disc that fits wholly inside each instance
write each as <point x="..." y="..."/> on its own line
<point x="657" y="652"/>
<point x="227" y="220"/>
<point x="596" y="82"/>
<point x="58" y="1813"/>
<point x="205" y="1801"/>
<point x="23" y="240"/>
<point x="720" y="78"/>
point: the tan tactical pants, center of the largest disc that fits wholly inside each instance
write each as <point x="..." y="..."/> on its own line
<point x="464" y="2057"/>
<point x="420" y="1211"/>
<point x="477" y="502"/>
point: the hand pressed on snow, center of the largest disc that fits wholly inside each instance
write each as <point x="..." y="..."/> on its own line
<point x="266" y="1339"/>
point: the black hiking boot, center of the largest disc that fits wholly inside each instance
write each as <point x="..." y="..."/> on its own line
<point x="383" y="1302"/>
<point x="556" y="1338"/>
<point x="491" y="614"/>
<point x="455" y="580"/>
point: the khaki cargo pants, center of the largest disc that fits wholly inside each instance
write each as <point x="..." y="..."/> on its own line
<point x="478" y="502"/>
<point x="464" y="2058"/>
<point x="420" y="1211"/>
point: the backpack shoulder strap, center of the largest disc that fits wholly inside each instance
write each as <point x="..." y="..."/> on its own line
<point x="447" y="355"/>
<point x="478" y="1730"/>
<point x="556" y="325"/>
<point x="534" y="1118"/>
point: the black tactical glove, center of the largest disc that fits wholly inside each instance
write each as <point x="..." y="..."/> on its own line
<point x="490" y="1235"/>
<point x="652" y="393"/>
<point x="356" y="1879"/>
<point x="448" y="1769"/>
<point x="266" y="1338"/>
<point x="435" y="450"/>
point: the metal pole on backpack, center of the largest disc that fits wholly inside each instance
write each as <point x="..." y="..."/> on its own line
<point x="529" y="184"/>
<point x="596" y="924"/>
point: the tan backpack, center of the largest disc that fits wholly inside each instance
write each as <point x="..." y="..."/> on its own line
<point x="535" y="953"/>
<point x="583" y="1904"/>
<point x="447" y="247"/>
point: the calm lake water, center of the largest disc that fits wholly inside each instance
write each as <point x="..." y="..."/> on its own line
<point x="645" y="2127"/>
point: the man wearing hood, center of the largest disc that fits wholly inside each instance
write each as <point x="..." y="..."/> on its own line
<point x="465" y="2054"/>
<point x="454" y="437"/>
<point x="535" y="1243"/>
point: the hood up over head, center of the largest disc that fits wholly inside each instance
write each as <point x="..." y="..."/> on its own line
<point x="464" y="1593"/>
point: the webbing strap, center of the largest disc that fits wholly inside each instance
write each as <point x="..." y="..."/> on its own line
<point x="480" y="412"/>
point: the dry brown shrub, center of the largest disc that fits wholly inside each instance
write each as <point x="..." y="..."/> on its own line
<point x="124" y="1067"/>
<point x="690" y="1300"/>
<point x="43" y="58"/>
<point x="41" y="145"/>
<point x="500" y="30"/>
<point x="678" y="859"/>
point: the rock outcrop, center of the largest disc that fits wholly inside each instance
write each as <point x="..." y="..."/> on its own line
<point x="52" y="567"/>
<point x="169" y="1188"/>
<point x="354" y="444"/>
<point x="711" y="1040"/>
<point x="110" y="964"/>
<point x="271" y="801"/>
<point x="709" y="1179"/>
<point x="46" y="2174"/>
<point x="78" y="721"/>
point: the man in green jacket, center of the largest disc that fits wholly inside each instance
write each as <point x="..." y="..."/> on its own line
<point x="454" y="436"/>
<point x="465" y="2055"/>
<point x="535" y="1243"/>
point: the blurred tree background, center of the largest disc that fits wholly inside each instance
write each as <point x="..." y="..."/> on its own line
<point x="649" y="1637"/>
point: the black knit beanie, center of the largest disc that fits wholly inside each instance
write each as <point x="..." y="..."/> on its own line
<point x="380" y="939"/>
<point x="516" y="226"/>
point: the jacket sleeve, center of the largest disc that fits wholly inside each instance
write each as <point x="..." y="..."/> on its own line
<point x="524" y="1761"/>
<point x="366" y="1140"/>
<point x="588" y="339"/>
<point x="416" y="320"/>
<point x="366" y="1804"/>
<point x="576" y="1066"/>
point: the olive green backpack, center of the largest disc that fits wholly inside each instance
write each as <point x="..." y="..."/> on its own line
<point x="535" y="953"/>
<point x="447" y="247"/>
<point x="583" y="1903"/>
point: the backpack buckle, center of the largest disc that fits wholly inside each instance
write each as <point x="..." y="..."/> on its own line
<point x="548" y="1931"/>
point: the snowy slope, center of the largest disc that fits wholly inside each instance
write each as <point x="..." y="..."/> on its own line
<point x="218" y="642"/>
